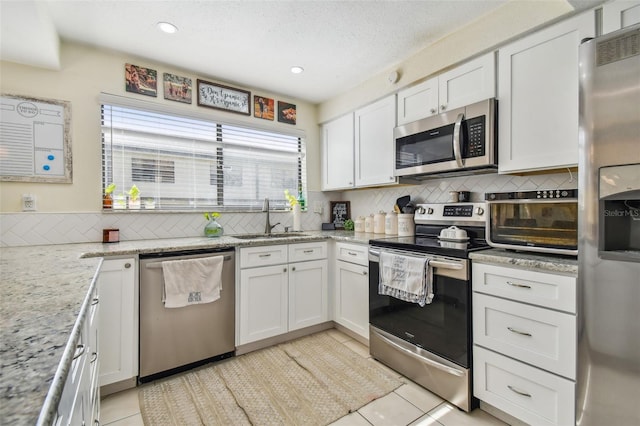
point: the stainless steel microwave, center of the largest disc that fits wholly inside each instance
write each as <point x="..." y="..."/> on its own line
<point x="457" y="142"/>
<point x="539" y="221"/>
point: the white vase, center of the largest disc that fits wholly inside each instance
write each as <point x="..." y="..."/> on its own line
<point x="297" y="217"/>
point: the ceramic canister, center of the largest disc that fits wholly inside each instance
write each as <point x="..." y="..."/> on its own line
<point x="406" y="226"/>
<point x="391" y="223"/>
<point x="359" y="224"/>
<point x="368" y="223"/>
<point x="378" y="223"/>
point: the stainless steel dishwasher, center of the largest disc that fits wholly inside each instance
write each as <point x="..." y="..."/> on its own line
<point x="176" y="339"/>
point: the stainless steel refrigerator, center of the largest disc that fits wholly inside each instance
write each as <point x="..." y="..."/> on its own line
<point x="608" y="385"/>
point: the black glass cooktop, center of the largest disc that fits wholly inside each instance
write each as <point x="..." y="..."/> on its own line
<point x="427" y="240"/>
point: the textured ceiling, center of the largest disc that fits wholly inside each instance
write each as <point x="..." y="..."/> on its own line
<point x="340" y="44"/>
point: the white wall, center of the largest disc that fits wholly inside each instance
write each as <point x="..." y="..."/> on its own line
<point x="84" y="73"/>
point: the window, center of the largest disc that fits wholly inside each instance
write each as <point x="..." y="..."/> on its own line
<point x="188" y="163"/>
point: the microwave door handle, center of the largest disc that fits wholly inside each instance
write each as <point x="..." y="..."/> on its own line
<point x="457" y="129"/>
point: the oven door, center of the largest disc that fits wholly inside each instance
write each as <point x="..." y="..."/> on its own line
<point x="442" y="327"/>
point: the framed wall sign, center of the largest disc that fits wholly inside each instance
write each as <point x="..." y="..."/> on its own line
<point x="225" y="98"/>
<point x="340" y="211"/>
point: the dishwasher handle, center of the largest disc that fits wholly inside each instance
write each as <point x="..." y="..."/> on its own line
<point x="157" y="265"/>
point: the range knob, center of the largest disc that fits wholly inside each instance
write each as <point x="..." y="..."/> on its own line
<point x="479" y="211"/>
<point x="429" y="210"/>
<point x="420" y="210"/>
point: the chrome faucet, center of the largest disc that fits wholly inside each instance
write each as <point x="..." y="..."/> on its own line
<point x="268" y="226"/>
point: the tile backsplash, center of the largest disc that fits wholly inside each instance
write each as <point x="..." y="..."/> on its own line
<point x="33" y="228"/>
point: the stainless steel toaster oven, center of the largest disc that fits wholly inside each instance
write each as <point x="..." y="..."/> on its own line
<point x="539" y="221"/>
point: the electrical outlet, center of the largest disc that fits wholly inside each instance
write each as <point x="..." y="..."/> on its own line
<point x="317" y="207"/>
<point x="28" y="203"/>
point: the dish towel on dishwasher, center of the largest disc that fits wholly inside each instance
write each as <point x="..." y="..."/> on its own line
<point x="192" y="281"/>
<point x="408" y="278"/>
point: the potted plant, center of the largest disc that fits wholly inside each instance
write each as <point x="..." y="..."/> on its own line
<point x="107" y="200"/>
<point x="134" y="197"/>
<point x="212" y="228"/>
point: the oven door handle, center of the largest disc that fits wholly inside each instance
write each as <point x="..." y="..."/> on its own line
<point x="457" y="131"/>
<point x="433" y="363"/>
<point x="445" y="265"/>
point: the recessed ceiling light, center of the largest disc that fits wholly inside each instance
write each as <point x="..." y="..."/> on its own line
<point x="167" y="27"/>
<point x="297" y="70"/>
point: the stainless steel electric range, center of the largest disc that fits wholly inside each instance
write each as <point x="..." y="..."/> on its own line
<point x="431" y="344"/>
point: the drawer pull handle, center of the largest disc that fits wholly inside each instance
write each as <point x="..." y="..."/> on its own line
<point x="524" y="333"/>
<point x="94" y="357"/>
<point x="95" y="301"/>
<point x="265" y="255"/>
<point x="308" y="251"/>
<point x="512" y="284"/>
<point x="79" y="351"/>
<point x="350" y="253"/>
<point x="519" y="392"/>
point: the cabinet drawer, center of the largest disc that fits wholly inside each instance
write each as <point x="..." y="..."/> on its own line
<point x="538" y="288"/>
<point x="251" y="257"/>
<point x="532" y="395"/>
<point x="353" y="253"/>
<point x="307" y="251"/>
<point x="544" y="338"/>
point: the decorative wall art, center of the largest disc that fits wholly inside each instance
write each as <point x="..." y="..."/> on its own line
<point x="340" y="211"/>
<point x="177" y="88"/>
<point x="263" y="107"/>
<point x="141" y="80"/>
<point x="213" y="95"/>
<point x="286" y="112"/>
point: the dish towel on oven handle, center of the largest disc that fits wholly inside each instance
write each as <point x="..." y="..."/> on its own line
<point x="408" y="278"/>
<point x="192" y="281"/>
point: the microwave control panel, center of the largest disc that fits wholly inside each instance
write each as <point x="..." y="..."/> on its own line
<point x="476" y="135"/>
<point x="533" y="195"/>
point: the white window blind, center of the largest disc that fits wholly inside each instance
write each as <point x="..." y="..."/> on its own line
<point x="186" y="163"/>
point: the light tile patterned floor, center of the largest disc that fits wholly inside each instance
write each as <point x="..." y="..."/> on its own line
<point x="410" y="404"/>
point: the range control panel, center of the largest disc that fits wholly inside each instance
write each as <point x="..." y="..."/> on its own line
<point x="450" y="212"/>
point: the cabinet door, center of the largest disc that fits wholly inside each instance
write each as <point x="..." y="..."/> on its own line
<point x="337" y="153"/>
<point x="469" y="83"/>
<point x="538" y="93"/>
<point x="263" y="303"/>
<point x="352" y="297"/>
<point x="308" y="294"/>
<point x="619" y="14"/>
<point x="375" y="143"/>
<point x="118" y="323"/>
<point x="418" y="101"/>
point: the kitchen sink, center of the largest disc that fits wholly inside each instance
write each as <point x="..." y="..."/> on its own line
<point x="268" y="236"/>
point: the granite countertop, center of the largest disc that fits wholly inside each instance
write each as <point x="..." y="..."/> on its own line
<point x="532" y="261"/>
<point x="42" y="296"/>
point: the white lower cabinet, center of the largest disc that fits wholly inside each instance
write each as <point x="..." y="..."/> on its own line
<point x="118" y="337"/>
<point x="525" y="331"/>
<point x="352" y="288"/>
<point x="281" y="288"/>
<point x="527" y="393"/>
<point x="80" y="399"/>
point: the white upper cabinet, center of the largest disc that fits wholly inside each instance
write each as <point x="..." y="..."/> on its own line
<point x="538" y="97"/>
<point x="374" y="143"/>
<point x="471" y="82"/>
<point x="337" y="154"/>
<point x="620" y="14"/>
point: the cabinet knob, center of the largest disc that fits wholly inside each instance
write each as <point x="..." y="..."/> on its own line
<point x="284" y="270"/>
<point x="293" y="268"/>
<point x="443" y="107"/>
<point x="127" y="265"/>
<point x="364" y="272"/>
<point x="433" y="110"/>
